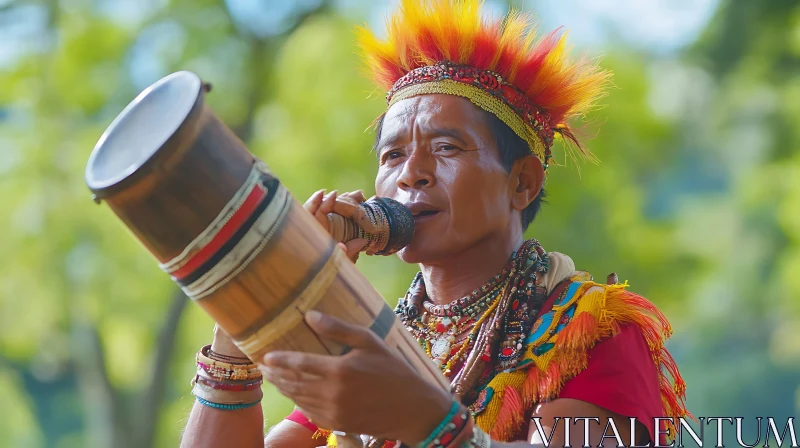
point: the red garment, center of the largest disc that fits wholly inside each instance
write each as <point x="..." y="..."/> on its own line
<point x="298" y="417"/>
<point x="620" y="377"/>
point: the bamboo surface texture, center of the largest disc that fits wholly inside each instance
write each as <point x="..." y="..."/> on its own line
<point x="181" y="203"/>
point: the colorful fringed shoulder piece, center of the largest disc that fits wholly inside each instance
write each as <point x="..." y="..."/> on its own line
<point x="557" y="350"/>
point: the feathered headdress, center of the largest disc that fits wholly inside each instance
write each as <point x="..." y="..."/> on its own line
<point x="446" y="46"/>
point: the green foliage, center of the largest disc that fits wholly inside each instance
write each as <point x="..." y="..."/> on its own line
<point x="694" y="202"/>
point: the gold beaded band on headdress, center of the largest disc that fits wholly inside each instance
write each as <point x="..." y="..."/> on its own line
<point x="483" y="100"/>
<point x="486" y="90"/>
<point x="499" y="63"/>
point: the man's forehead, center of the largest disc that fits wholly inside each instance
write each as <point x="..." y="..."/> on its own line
<point x="433" y="115"/>
<point x="413" y="108"/>
<point x="428" y="109"/>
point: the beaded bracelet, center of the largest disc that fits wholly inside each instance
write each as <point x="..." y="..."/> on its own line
<point x="453" y="430"/>
<point x="226" y="407"/>
<point x="233" y="386"/>
<point x="455" y="420"/>
<point x="209" y="357"/>
<point x="226" y="396"/>
<point x="463" y="438"/>
<point x="226" y="371"/>
<point x="226" y="385"/>
<point x="225" y="358"/>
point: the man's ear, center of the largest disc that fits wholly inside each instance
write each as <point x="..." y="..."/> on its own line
<point x="527" y="177"/>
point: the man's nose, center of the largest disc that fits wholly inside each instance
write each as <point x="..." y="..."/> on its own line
<point x="418" y="171"/>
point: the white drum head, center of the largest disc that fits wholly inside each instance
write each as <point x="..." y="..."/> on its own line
<point x="142" y="128"/>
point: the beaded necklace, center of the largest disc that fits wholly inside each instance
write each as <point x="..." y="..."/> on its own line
<point x="439" y="329"/>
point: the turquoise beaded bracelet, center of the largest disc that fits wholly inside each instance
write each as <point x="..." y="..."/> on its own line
<point x="226" y="407"/>
<point x="453" y="410"/>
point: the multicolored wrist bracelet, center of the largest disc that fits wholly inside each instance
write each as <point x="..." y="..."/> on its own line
<point x="224" y="370"/>
<point x="221" y="396"/>
<point x="233" y="386"/>
<point x="452" y="425"/>
<point x="224" y="358"/>
<point x="462" y="438"/>
<point x="226" y="407"/>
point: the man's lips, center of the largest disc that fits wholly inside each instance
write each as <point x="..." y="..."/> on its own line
<point x="422" y="211"/>
<point x="421" y="208"/>
<point x="424" y="216"/>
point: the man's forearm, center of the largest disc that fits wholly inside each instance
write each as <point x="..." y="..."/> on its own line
<point x="209" y="427"/>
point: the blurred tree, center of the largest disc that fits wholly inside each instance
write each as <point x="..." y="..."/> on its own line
<point x="83" y="340"/>
<point x="744" y="356"/>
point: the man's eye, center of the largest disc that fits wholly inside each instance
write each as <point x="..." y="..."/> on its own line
<point x="393" y="154"/>
<point x="448" y="148"/>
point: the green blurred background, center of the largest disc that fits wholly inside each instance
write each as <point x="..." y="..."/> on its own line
<point x="696" y="201"/>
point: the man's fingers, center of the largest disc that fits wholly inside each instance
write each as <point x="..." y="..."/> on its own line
<point x="296" y="366"/>
<point x="287" y="388"/>
<point x="289" y="374"/>
<point x="313" y="203"/>
<point x="349" y="205"/>
<point x="328" y="201"/>
<point x="357" y="195"/>
<point x="363" y="221"/>
<point x="340" y="331"/>
<point x="345" y="204"/>
<point x="353" y="247"/>
<point x="325" y="207"/>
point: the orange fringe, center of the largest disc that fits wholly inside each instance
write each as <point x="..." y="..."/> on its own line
<point x="511" y="413"/>
<point x="601" y="311"/>
<point x="530" y="388"/>
<point x="579" y="333"/>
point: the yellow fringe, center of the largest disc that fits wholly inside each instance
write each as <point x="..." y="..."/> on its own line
<point x="322" y="434"/>
<point x="332" y="441"/>
<point x="601" y="310"/>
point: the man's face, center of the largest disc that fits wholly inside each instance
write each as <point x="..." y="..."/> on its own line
<point x="438" y="156"/>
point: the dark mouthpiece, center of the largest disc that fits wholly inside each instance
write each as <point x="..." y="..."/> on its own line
<point x="401" y="224"/>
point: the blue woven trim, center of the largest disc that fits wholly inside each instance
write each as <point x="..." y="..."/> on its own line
<point x="226" y="407"/>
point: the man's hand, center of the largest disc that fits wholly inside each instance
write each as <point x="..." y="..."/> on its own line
<point x="223" y="344"/>
<point x="347" y="205"/>
<point x="370" y="390"/>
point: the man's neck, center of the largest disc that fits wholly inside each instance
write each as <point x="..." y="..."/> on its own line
<point x="459" y="275"/>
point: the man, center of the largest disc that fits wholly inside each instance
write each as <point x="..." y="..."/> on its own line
<point x="525" y="339"/>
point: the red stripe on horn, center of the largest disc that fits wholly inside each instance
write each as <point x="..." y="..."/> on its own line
<point x="255" y="196"/>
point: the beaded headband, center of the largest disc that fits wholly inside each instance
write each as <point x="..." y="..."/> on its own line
<point x="500" y="65"/>
<point x="485" y="89"/>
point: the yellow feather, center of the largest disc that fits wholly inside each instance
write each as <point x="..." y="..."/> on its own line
<point x="426" y="32"/>
<point x="550" y="71"/>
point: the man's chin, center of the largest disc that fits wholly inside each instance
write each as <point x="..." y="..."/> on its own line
<point x="418" y="251"/>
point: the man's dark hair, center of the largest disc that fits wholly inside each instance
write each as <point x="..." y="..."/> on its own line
<point x="512" y="148"/>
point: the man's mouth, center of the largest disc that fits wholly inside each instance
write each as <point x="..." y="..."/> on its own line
<point x="422" y="214"/>
<point x="422" y="211"/>
<point x="425" y="216"/>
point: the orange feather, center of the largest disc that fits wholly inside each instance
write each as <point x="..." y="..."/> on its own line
<point x="424" y="32"/>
